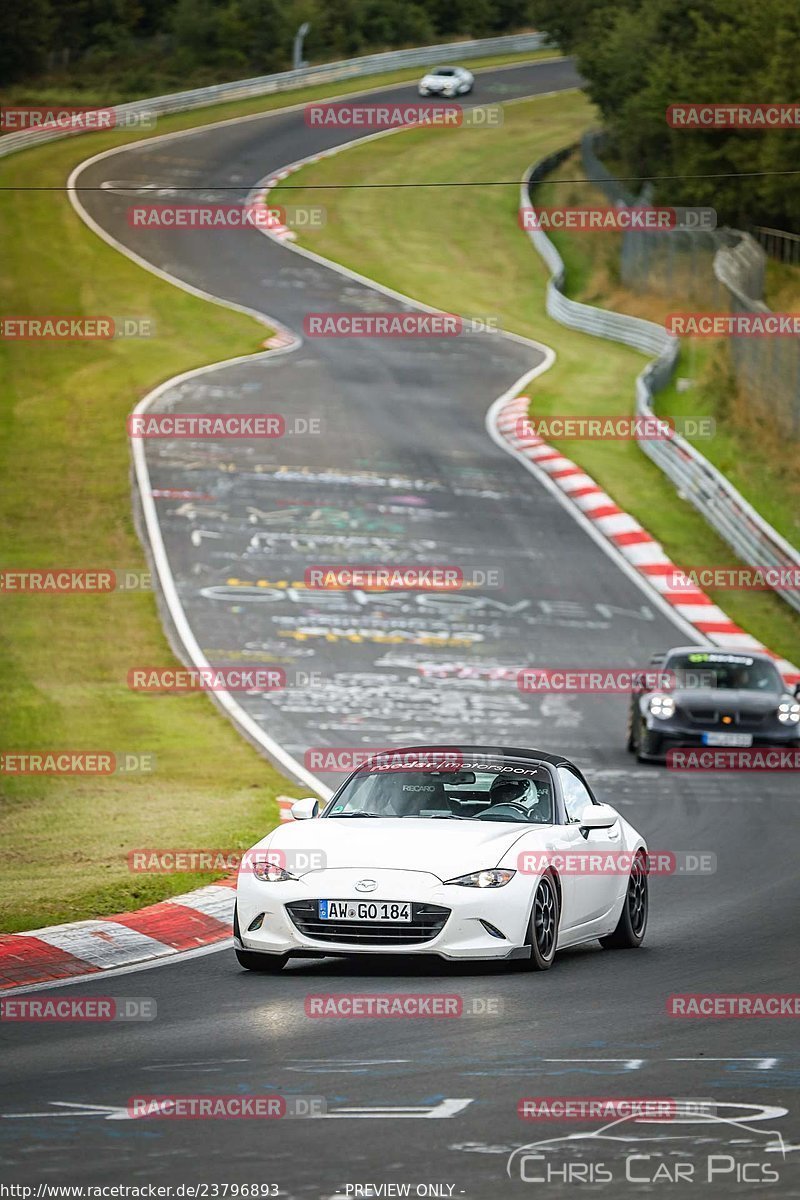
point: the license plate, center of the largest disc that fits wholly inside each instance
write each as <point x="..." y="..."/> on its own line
<point x="727" y="739"/>
<point x="394" y="912"/>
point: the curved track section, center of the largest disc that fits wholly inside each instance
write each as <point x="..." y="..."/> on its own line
<point x="406" y="473"/>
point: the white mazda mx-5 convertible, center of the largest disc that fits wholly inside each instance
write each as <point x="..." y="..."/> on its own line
<point x="465" y="852"/>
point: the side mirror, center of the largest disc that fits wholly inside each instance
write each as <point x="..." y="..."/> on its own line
<point x="598" y="816"/>
<point x="304" y="810"/>
<point x="797" y="690"/>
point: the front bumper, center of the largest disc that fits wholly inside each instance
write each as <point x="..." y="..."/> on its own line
<point x="676" y="733"/>
<point x="461" y="935"/>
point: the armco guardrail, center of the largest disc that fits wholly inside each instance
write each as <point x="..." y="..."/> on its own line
<point x="285" y="81"/>
<point x="745" y="530"/>
<point x="710" y="270"/>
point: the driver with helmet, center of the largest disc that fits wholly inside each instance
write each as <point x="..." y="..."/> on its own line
<point x="524" y="795"/>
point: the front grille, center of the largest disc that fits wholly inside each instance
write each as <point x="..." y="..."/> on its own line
<point x="427" y="920"/>
<point x="712" y="716"/>
<point x="751" y="720"/>
<point x="703" y="716"/>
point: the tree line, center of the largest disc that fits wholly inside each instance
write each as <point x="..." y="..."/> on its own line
<point x="639" y="56"/>
<point x="192" y="42"/>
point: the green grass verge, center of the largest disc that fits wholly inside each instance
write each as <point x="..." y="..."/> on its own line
<point x="460" y="249"/>
<point x="782" y="286"/>
<point x="66" y="502"/>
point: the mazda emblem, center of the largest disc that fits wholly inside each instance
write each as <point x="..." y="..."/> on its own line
<point x="366" y="885"/>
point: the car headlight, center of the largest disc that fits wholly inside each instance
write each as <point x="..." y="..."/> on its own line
<point x="270" y="872"/>
<point x="484" y="879"/>
<point x="789" y="711"/>
<point x="662" y="707"/>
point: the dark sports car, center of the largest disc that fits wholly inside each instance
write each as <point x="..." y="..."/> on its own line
<point x="696" y="696"/>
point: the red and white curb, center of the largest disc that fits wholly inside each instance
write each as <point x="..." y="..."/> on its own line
<point x="640" y="550"/>
<point x="285" y="805"/>
<point x="198" y="918"/>
<point x="274" y="228"/>
<point x="80" y="948"/>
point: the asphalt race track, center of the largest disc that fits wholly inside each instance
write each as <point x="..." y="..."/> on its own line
<point x="406" y="473"/>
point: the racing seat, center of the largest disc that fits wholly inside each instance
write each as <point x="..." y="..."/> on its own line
<point x="417" y="792"/>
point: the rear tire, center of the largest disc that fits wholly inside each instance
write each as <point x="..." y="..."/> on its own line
<point x="542" y="936"/>
<point x="632" y="923"/>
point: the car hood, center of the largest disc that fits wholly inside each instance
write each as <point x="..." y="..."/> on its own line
<point x="726" y="699"/>
<point x="442" y="848"/>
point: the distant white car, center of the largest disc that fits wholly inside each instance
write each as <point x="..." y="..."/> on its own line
<point x="446" y="81"/>
<point x="504" y="855"/>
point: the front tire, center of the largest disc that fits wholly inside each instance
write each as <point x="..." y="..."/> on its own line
<point x="630" y="744"/>
<point x="632" y="923"/>
<point x="267" y="964"/>
<point x="542" y="936"/>
<point x="252" y="960"/>
<point x="648" y="743"/>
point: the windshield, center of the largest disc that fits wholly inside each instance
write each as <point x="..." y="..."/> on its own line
<point x="442" y="71"/>
<point x="511" y="792"/>
<point x="709" y="670"/>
